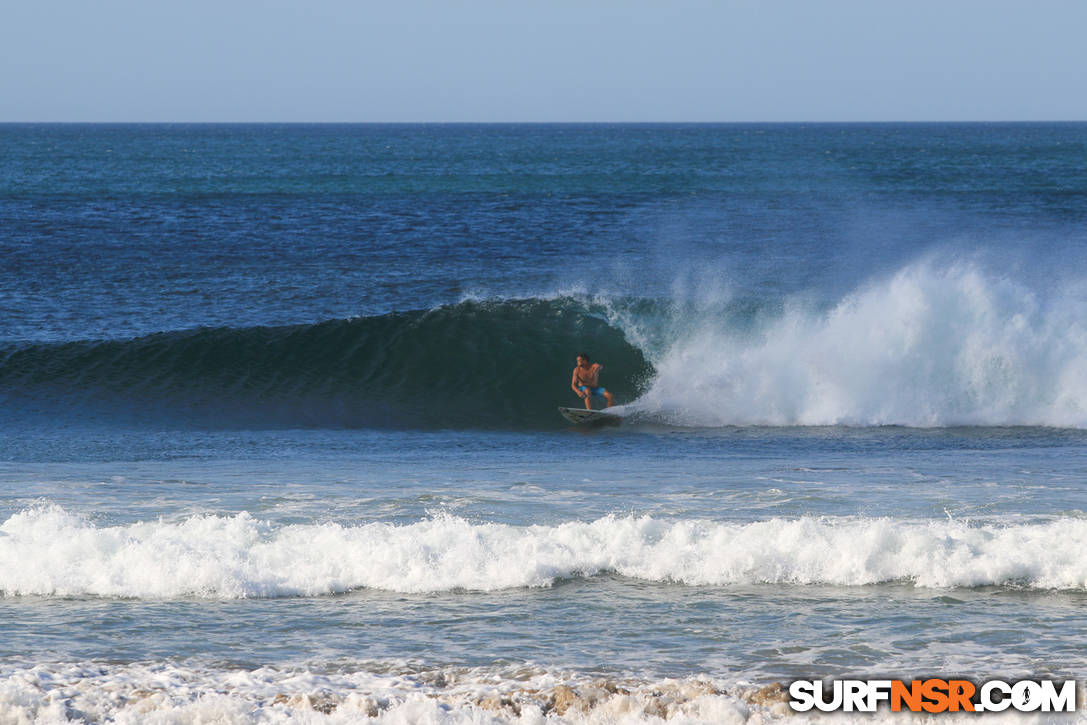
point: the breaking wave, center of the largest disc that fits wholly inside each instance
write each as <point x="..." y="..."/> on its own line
<point x="48" y="551"/>
<point x="933" y="345"/>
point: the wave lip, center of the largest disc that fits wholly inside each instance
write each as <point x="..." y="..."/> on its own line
<point x="47" y="551"/>
<point x="498" y="364"/>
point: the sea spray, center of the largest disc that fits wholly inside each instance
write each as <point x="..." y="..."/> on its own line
<point x="931" y="345"/>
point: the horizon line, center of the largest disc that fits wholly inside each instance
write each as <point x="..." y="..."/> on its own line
<point x="536" y="123"/>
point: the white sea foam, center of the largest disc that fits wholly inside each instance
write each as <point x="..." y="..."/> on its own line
<point x="49" y="552"/>
<point x="168" y="693"/>
<point x="936" y="344"/>
<point x="175" y="693"/>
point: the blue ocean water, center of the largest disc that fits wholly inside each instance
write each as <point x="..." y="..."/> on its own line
<point x="278" y="438"/>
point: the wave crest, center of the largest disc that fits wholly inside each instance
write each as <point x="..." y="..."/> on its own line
<point x="50" y="552"/>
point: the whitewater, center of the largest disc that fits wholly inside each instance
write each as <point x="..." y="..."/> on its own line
<point x="936" y="343"/>
<point x="49" y="552"/>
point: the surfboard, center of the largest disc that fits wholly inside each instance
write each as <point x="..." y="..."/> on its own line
<point x="580" y="416"/>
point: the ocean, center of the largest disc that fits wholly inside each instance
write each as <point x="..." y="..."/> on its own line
<point x="279" y="439"/>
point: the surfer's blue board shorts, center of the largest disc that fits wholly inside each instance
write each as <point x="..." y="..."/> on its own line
<point x="598" y="391"/>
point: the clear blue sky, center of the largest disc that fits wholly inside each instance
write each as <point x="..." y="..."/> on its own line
<point x="530" y="60"/>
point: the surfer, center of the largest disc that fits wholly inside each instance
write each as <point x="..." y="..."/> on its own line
<point x="586" y="382"/>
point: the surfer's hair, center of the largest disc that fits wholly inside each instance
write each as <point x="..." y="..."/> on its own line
<point x="585" y="355"/>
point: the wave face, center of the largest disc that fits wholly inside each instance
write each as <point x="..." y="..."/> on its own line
<point x="936" y="344"/>
<point x="474" y="364"/>
<point x="47" y="551"/>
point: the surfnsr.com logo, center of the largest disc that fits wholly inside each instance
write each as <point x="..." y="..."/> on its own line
<point x="933" y="695"/>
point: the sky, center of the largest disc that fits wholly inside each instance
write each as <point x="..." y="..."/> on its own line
<point x="530" y="60"/>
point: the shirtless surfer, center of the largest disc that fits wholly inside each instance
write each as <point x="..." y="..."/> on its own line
<point x="586" y="382"/>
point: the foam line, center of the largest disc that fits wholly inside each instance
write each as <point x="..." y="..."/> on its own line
<point x="47" y="551"/>
<point x="172" y="693"/>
